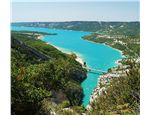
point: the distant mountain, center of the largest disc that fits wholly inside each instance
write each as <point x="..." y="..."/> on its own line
<point x="74" y="25"/>
<point x="107" y="28"/>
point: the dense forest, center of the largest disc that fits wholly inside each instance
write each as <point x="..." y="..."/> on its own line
<point x="42" y="77"/>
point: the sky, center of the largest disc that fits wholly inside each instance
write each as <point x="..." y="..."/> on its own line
<point x="49" y="11"/>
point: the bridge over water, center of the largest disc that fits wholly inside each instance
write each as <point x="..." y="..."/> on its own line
<point x="95" y="71"/>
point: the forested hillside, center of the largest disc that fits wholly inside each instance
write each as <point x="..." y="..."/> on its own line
<point x="122" y="94"/>
<point x="42" y="77"/>
<point x="104" y="28"/>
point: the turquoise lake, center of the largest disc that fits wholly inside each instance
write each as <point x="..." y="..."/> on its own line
<point x="96" y="56"/>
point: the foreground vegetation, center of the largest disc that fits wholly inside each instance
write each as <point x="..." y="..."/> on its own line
<point x="42" y="78"/>
<point x="122" y="96"/>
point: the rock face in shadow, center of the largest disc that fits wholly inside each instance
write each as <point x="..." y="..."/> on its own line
<point x="79" y="75"/>
<point x="75" y="95"/>
<point x="58" y="97"/>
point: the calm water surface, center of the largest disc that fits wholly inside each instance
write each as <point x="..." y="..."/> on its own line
<point x="97" y="56"/>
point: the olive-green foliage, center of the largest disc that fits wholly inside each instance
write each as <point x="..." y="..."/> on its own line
<point x="130" y="46"/>
<point x="135" y="48"/>
<point x="74" y="110"/>
<point x="119" y="46"/>
<point x="123" y="95"/>
<point x="65" y="104"/>
<point x="79" y="109"/>
<point x="39" y="45"/>
<point x="67" y="112"/>
<point x="93" y="37"/>
<point x="34" y="80"/>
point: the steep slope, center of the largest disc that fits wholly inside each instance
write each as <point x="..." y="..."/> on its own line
<point x="41" y="72"/>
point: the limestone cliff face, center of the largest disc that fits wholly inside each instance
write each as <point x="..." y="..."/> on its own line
<point x="73" y="91"/>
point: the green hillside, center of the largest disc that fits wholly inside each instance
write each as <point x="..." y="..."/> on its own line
<point x="107" y="28"/>
<point x="41" y="74"/>
<point x="122" y="96"/>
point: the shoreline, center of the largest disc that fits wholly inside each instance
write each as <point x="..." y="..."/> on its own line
<point x="80" y="60"/>
<point x="40" y="36"/>
<point x="123" y="56"/>
<point x="97" y="90"/>
<point x="78" y="56"/>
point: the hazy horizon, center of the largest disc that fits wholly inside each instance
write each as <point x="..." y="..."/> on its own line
<point x="75" y="11"/>
<point x="70" y="21"/>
